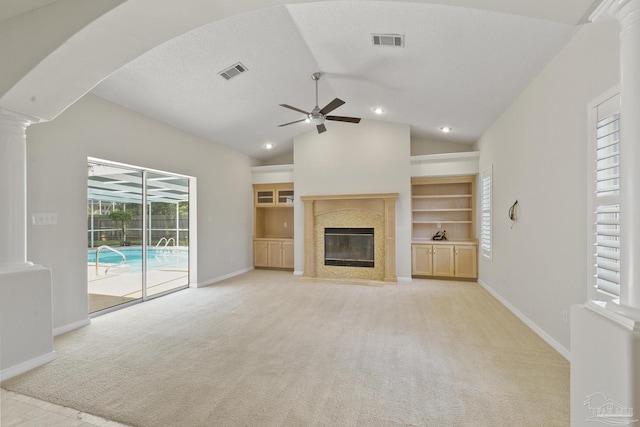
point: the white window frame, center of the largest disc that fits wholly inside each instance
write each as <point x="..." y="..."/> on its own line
<point x="603" y="222"/>
<point x="486" y="213"/>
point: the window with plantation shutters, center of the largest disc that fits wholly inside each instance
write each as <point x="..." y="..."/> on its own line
<point x="606" y="215"/>
<point x="485" y="220"/>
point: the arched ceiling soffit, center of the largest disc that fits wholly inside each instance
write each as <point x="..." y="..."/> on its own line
<point x="61" y="50"/>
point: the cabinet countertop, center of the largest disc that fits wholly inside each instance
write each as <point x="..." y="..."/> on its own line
<point x="284" y="239"/>
<point x="445" y="242"/>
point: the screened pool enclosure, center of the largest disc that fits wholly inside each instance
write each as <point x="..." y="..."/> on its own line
<point x="138" y="234"/>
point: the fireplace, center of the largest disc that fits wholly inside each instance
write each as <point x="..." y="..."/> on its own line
<point x="349" y="247"/>
<point x="345" y="213"/>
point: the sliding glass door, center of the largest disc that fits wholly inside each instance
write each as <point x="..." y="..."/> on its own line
<point x="138" y="234"/>
<point x="168" y="233"/>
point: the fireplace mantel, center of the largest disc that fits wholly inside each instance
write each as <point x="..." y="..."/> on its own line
<point x="382" y="205"/>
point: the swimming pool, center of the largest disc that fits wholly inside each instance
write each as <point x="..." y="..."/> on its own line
<point x="157" y="258"/>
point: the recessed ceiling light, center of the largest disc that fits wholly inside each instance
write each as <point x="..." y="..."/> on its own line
<point x="378" y="110"/>
<point x="268" y="146"/>
<point x="446" y="129"/>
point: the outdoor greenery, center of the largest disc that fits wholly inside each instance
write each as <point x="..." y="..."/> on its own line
<point x="122" y="217"/>
<point x="121" y="223"/>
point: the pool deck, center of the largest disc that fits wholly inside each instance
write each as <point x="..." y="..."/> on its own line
<point x="124" y="286"/>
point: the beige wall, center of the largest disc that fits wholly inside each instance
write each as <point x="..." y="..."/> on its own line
<point x="57" y="182"/>
<point x="538" y="152"/>
<point x="424" y="146"/>
<point x="282" y="159"/>
<point x="370" y="157"/>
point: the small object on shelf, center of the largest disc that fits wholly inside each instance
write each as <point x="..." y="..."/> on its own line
<point x="440" y="235"/>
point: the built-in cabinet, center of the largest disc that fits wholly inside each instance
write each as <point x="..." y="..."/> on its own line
<point x="273" y="226"/>
<point x="274" y="253"/>
<point x="444" y="205"/>
<point x="444" y="260"/>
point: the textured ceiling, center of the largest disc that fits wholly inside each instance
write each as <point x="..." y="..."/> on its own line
<point x="11" y="8"/>
<point x="460" y="67"/>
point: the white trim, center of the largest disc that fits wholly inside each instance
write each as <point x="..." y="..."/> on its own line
<point x="607" y="10"/>
<point x="448" y="164"/>
<point x="592" y="203"/>
<point x="298" y="273"/>
<point x="272" y="174"/>
<point x="535" y="328"/>
<point x="23" y="367"/>
<point x="71" y="327"/>
<point x="487" y="173"/>
<point x="601" y="12"/>
<point x="135" y="168"/>
<point x="445" y="156"/>
<point x="221" y="278"/>
<point x="272" y="168"/>
<point x="608" y="310"/>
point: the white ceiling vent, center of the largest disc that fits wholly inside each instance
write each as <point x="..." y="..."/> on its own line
<point x="233" y="71"/>
<point x="393" y="40"/>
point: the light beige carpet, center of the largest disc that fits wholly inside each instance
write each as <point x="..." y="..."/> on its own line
<point x="264" y="349"/>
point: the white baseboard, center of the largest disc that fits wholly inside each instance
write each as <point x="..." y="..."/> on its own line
<point x="298" y="273"/>
<point x="70" y="327"/>
<point x="220" y="278"/>
<point x="535" y="328"/>
<point x="23" y="367"/>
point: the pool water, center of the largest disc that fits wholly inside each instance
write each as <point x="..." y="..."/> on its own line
<point x="157" y="258"/>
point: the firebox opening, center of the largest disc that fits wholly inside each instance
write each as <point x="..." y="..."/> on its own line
<point x="349" y="247"/>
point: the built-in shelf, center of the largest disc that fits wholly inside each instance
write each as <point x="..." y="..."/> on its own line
<point x="441" y="196"/>
<point x="273" y="225"/>
<point x="439" y="204"/>
<point x="443" y="205"/>
<point x="442" y="222"/>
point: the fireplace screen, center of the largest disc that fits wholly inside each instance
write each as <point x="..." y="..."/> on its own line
<point x="350" y="247"/>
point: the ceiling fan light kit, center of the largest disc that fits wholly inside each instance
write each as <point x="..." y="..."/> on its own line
<point x="318" y="116"/>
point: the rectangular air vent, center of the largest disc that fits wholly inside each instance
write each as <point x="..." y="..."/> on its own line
<point x="393" y="40"/>
<point x="233" y="71"/>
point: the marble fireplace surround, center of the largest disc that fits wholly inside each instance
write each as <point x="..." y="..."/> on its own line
<point x="345" y="211"/>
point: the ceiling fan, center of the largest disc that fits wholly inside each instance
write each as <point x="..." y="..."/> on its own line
<point x="317" y="116"/>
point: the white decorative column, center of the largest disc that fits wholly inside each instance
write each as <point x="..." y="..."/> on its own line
<point x="13" y="190"/>
<point x="628" y="14"/>
<point x="605" y="338"/>
<point x="26" y="325"/>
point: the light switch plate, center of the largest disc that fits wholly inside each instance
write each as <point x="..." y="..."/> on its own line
<point x="49" y="218"/>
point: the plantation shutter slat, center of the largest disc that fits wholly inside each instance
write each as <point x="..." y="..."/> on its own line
<point x="607" y="213"/>
<point x="485" y="219"/>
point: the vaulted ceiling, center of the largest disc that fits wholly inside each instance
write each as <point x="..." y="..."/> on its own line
<point x="462" y="64"/>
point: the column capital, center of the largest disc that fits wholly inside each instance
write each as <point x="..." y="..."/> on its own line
<point x="618" y="9"/>
<point x="16" y="121"/>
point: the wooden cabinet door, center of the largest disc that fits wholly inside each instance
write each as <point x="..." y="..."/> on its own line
<point x="260" y="254"/>
<point x="275" y="254"/>
<point x="421" y="260"/>
<point x="265" y="197"/>
<point x="466" y="261"/>
<point x="287" y="255"/>
<point x="284" y="196"/>
<point x="443" y="260"/>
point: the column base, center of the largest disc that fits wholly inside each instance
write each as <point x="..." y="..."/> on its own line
<point x="15" y="267"/>
<point x="26" y="319"/>
<point x="605" y="366"/>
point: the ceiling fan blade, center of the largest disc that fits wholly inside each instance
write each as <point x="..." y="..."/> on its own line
<point x="321" y="128"/>
<point x="343" y="119"/>
<point x="290" y="123"/>
<point x="294" y="108"/>
<point x="331" y="106"/>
